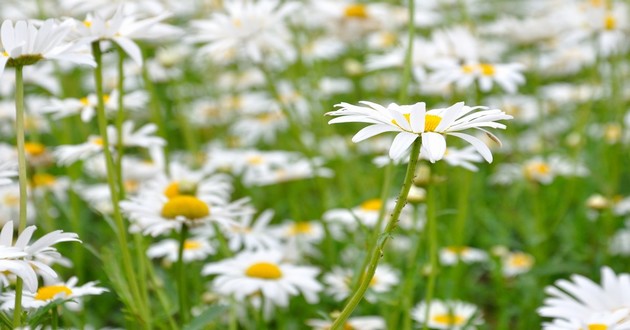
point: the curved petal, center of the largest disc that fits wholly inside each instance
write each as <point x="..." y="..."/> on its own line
<point x="401" y="143"/>
<point x="131" y="48"/>
<point x="481" y="147"/>
<point x="372" y="130"/>
<point x="434" y="145"/>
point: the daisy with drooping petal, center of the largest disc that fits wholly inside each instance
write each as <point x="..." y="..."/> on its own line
<point x="264" y="272"/>
<point x="581" y="299"/>
<point x="26" y="44"/>
<point x="414" y="121"/>
<point x="46" y="294"/>
<point x="453" y="315"/>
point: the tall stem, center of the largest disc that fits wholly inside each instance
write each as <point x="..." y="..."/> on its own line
<point x="381" y="241"/>
<point x="120" y="119"/>
<point x="181" y="276"/>
<point x="23" y="180"/>
<point x="111" y="180"/>
<point x="433" y="252"/>
<point x="406" y="77"/>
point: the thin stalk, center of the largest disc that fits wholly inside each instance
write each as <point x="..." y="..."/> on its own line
<point x="410" y="278"/>
<point x="406" y="77"/>
<point x="120" y="119"/>
<point x="23" y="180"/>
<point x="381" y="241"/>
<point x="164" y="302"/>
<point x="181" y="277"/>
<point x="54" y="323"/>
<point x="156" y="112"/>
<point x="121" y="232"/>
<point x="433" y="252"/>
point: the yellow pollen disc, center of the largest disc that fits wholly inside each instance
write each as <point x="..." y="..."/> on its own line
<point x="373" y="281"/>
<point x="264" y="270"/>
<point x="105" y="98"/>
<point x="172" y="190"/>
<point x="42" y="180"/>
<point x="521" y="260"/>
<point x="597" y="3"/>
<point x="34" y="148"/>
<point x="5" y="54"/>
<point x="457" y="249"/>
<point x="447" y="319"/>
<point x="11" y="200"/>
<point x="468" y="69"/>
<point x="610" y="22"/>
<point x="255" y="160"/>
<point x="356" y="11"/>
<point x="85" y="101"/>
<point x="191" y="245"/>
<point x="487" y="69"/>
<point x="431" y="122"/>
<point x="237" y="22"/>
<point x="98" y="141"/>
<point x="131" y="185"/>
<point x="388" y="38"/>
<point x="188" y="207"/>
<point x="374" y="204"/>
<point x="50" y="291"/>
<point x="539" y="168"/>
<point x="597" y="327"/>
<point x="87" y="23"/>
<point x="347" y="326"/>
<point x="301" y="228"/>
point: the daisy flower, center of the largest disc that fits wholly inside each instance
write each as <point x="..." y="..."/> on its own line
<point x="581" y="299"/>
<point x="599" y="321"/>
<point x="264" y="272"/>
<point x="359" y="322"/>
<point x="252" y="233"/>
<point x="414" y="121"/>
<point x="154" y="214"/>
<point x="515" y="263"/>
<point x="47" y="294"/>
<point x="508" y="76"/>
<point x="7" y="171"/>
<point x="339" y="282"/>
<point x="195" y="248"/>
<point x="86" y="106"/>
<point x="453" y="315"/>
<point x="26" y="44"/>
<point x="35" y="253"/>
<point x="452" y="254"/>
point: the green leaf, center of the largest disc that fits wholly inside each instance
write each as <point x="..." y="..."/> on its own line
<point x="205" y="318"/>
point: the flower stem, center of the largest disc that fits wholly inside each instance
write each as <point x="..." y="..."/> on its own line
<point x="120" y="118"/>
<point x="381" y="241"/>
<point x="55" y="318"/>
<point x="111" y="180"/>
<point x="181" y="276"/>
<point x="433" y="252"/>
<point x="23" y="180"/>
<point x="406" y="77"/>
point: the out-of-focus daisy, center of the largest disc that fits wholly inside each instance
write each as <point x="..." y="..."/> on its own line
<point x="299" y="238"/>
<point x="42" y="183"/>
<point x="508" y="76"/>
<point x="365" y="214"/>
<point x="46" y="294"/>
<point x="35" y="252"/>
<point x="620" y="243"/>
<point x="539" y="169"/>
<point x="86" y="106"/>
<point x="358" y="322"/>
<point x="515" y="263"/>
<point x="599" y="321"/>
<point x="252" y="28"/>
<point x="195" y="248"/>
<point x="252" y="233"/>
<point x="26" y="44"/>
<point x="454" y="315"/>
<point x="464" y="157"/>
<point x="264" y="272"/>
<point x="581" y="299"/>
<point x="450" y="255"/>
<point x="7" y="171"/>
<point x="414" y="121"/>
<point x="154" y="214"/>
<point x="339" y="282"/>
<point x="10" y="204"/>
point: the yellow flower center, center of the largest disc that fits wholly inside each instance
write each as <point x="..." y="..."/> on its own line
<point x="11" y="200"/>
<point x="180" y="188"/>
<point x="255" y="160"/>
<point x="610" y="22"/>
<point x="521" y="260"/>
<point x="50" y="291"/>
<point x="356" y="11"/>
<point x="42" y="179"/>
<point x="85" y="101"/>
<point x="98" y="141"/>
<point x="373" y="281"/>
<point x="188" y="207"/>
<point x="131" y="185"/>
<point x="468" y="68"/>
<point x="5" y="54"/>
<point x="431" y="122"/>
<point x="87" y="23"/>
<point x="105" y="98"/>
<point x="457" y="249"/>
<point x="487" y="69"/>
<point x="448" y="319"/>
<point x="34" y="148"/>
<point x="192" y="245"/>
<point x="536" y="169"/>
<point x="300" y="228"/>
<point x="597" y="326"/>
<point x="264" y="270"/>
<point x="374" y="204"/>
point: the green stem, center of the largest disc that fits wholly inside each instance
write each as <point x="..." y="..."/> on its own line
<point x="23" y="180"/>
<point x="433" y="252"/>
<point x="408" y="290"/>
<point x="55" y="318"/>
<point x="120" y="119"/>
<point x="381" y="241"/>
<point x="121" y="231"/>
<point x="159" y="291"/>
<point x="181" y="276"/>
<point x="406" y="77"/>
<point x="156" y="112"/>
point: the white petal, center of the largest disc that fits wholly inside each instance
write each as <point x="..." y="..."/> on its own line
<point x="417" y="116"/>
<point x="401" y="143"/>
<point x="370" y="131"/>
<point x="481" y="147"/>
<point x="131" y="48"/>
<point x="434" y="145"/>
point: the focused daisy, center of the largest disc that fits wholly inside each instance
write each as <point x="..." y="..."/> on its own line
<point x="414" y="121"/>
<point x="264" y="272"/>
<point x="68" y="291"/>
<point x="454" y="315"/>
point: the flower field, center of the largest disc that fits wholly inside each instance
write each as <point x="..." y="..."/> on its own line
<point x="322" y="164"/>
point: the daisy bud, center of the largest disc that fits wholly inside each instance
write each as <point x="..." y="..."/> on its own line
<point x="597" y="202"/>
<point x="416" y="195"/>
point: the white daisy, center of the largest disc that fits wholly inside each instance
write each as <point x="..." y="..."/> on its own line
<point x="453" y="315"/>
<point x="450" y="255"/>
<point x="339" y="281"/>
<point x="7" y="171"/>
<point x="252" y="233"/>
<point x="25" y="43"/>
<point x="414" y="121"/>
<point x="515" y="263"/>
<point x="46" y="294"/>
<point x="195" y="248"/>
<point x="581" y="298"/>
<point x="508" y="76"/>
<point x="358" y="322"/>
<point x="264" y="272"/>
